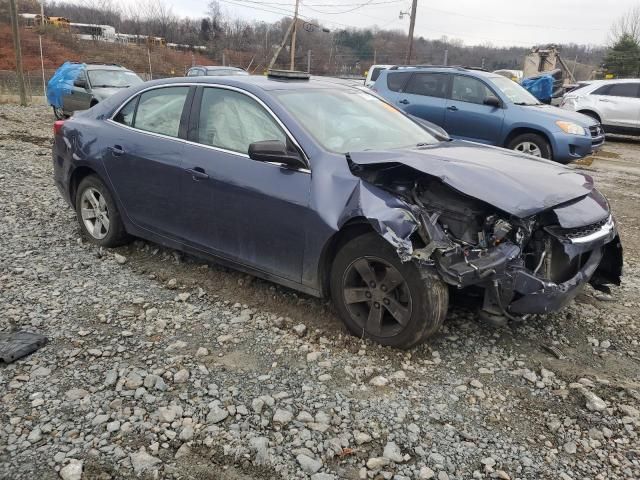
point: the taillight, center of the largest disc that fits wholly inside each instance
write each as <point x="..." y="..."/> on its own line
<point x="57" y="126"/>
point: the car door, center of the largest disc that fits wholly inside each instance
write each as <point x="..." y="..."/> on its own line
<point x="619" y="104"/>
<point x="79" y="96"/>
<point x="467" y="116"/>
<point x="251" y="212"/>
<point x="425" y="96"/>
<point x="145" y="158"/>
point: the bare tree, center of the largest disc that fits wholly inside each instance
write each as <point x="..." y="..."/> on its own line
<point x="627" y="25"/>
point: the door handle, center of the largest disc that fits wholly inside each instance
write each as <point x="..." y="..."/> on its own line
<point x="117" y="150"/>
<point x="197" y="173"/>
<point x="453" y="108"/>
<point x="404" y="101"/>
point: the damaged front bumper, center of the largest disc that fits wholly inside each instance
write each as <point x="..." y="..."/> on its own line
<point x="536" y="295"/>
<point x="512" y="290"/>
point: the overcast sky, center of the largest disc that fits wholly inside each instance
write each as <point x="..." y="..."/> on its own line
<point x="500" y="22"/>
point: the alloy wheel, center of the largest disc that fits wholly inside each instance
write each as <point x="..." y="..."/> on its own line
<point x="529" y="148"/>
<point x="94" y="212"/>
<point x="376" y="296"/>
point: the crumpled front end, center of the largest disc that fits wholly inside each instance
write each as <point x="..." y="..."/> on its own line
<point x="526" y="265"/>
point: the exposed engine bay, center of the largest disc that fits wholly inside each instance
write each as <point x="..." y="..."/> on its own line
<point x="526" y="265"/>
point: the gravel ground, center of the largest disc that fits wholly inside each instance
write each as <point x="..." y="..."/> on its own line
<point x="164" y="366"/>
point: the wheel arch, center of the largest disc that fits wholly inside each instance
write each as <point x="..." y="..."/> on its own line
<point x="78" y="174"/>
<point x="591" y="113"/>
<point x="523" y="130"/>
<point x="352" y="228"/>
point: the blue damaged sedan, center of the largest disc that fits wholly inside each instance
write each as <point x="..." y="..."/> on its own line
<point x="330" y="190"/>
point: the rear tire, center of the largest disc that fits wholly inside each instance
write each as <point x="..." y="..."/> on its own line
<point x="59" y="113"/>
<point x="383" y="299"/>
<point x="531" y="144"/>
<point x="98" y="215"/>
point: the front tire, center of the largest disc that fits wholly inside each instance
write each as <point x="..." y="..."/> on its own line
<point x="383" y="299"/>
<point x="531" y="144"/>
<point x="98" y="215"/>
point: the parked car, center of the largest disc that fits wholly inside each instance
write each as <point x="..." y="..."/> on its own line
<point x="330" y="190"/>
<point x="214" y="70"/>
<point x="488" y="108"/>
<point x="88" y="85"/>
<point x="515" y="75"/>
<point x="373" y="73"/>
<point x="613" y="103"/>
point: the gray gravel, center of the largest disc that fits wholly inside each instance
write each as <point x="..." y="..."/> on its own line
<point x="164" y="366"/>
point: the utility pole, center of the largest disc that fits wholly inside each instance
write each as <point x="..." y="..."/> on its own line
<point x="308" y="61"/>
<point x="42" y="23"/>
<point x="16" y="44"/>
<point x="412" y="23"/>
<point x="281" y="46"/>
<point x="293" y="36"/>
<point x="446" y="57"/>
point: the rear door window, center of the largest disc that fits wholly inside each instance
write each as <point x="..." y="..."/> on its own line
<point x="428" y="84"/>
<point x="231" y="120"/>
<point x="469" y="89"/>
<point x="157" y="111"/>
<point x="624" y="90"/>
<point x="396" y="80"/>
<point x="126" y="113"/>
<point x="376" y="73"/>
<point x="631" y="90"/>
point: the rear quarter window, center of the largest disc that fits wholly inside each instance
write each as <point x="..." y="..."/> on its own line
<point x="396" y="80"/>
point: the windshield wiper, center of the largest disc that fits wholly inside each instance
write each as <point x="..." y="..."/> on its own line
<point x="110" y="86"/>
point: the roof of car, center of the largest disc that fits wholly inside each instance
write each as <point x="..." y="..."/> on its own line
<point x="256" y="81"/>
<point x="217" y="67"/>
<point x="105" y="66"/>
<point x="443" y="69"/>
<point x="615" y="80"/>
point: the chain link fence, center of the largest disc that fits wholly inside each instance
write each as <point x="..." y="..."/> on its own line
<point x="32" y="79"/>
<point x="33" y="82"/>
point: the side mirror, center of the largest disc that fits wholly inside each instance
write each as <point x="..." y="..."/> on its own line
<point x="80" y="82"/>
<point x="275" y="151"/>
<point x="493" y="102"/>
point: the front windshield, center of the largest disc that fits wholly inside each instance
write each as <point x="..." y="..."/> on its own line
<point x="514" y="92"/>
<point x="113" y="78"/>
<point x="352" y="121"/>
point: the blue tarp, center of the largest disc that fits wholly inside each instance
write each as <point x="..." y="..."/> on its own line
<point x="62" y="82"/>
<point x="540" y="87"/>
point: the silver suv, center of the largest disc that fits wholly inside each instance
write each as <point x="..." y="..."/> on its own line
<point x="613" y="103"/>
<point x="93" y="84"/>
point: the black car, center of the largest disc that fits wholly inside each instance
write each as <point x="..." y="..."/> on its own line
<point x="332" y="191"/>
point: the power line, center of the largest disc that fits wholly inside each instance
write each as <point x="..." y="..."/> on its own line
<point x="356" y="7"/>
<point x="507" y="22"/>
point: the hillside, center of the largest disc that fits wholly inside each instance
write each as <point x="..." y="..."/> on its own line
<point x="59" y="47"/>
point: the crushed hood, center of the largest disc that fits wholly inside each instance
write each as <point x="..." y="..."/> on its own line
<point x="515" y="183"/>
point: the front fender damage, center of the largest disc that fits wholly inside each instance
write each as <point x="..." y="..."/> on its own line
<point x="523" y="266"/>
<point x="391" y="217"/>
